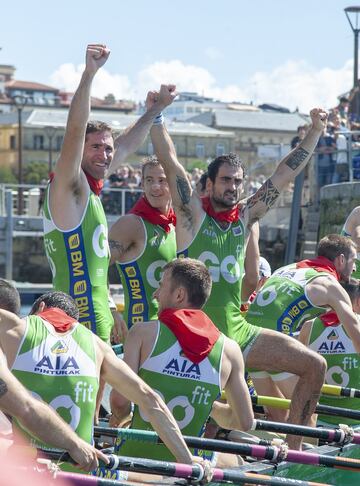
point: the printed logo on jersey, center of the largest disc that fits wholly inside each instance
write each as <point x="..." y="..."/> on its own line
<point x="63" y="366"/>
<point x="138" y="305"/>
<point x="290" y="319"/>
<point x="237" y="231"/>
<point x="333" y="335"/>
<point x="182" y="368"/>
<point x="59" y="348"/>
<point x="80" y="284"/>
<point x="156" y="240"/>
<point x="228" y="268"/>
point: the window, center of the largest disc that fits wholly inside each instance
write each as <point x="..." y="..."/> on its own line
<point x="200" y="150"/>
<point x="220" y="149"/>
<point x="12" y="142"/>
<point x="58" y="142"/>
<point x="38" y="142"/>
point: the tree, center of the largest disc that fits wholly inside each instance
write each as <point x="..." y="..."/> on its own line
<point x="36" y="172"/>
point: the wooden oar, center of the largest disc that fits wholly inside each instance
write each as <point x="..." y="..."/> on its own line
<point x="191" y="472"/>
<point x="271" y="453"/>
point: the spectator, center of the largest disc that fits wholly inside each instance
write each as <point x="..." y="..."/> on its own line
<point x="301" y="132"/>
<point x="326" y="149"/>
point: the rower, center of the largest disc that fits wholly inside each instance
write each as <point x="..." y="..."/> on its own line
<point x="186" y="359"/>
<point x="61" y="362"/>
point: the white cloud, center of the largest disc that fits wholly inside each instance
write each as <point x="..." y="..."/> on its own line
<point x="67" y="77"/>
<point x="293" y="84"/>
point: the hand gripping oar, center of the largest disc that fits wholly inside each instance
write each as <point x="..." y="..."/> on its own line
<point x="272" y="453"/>
<point x="192" y="472"/>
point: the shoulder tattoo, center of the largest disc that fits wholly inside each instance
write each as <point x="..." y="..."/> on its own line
<point x="115" y="246"/>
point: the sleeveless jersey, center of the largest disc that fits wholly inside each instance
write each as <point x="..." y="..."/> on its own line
<point x="356" y="273"/>
<point x="60" y="370"/>
<point x="79" y="261"/>
<point x="222" y="251"/>
<point x="141" y="277"/>
<point x="343" y="366"/>
<point x="188" y="390"/>
<point x="282" y="303"/>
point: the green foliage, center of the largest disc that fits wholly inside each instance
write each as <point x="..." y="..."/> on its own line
<point x="333" y="213"/>
<point x="197" y="164"/>
<point x="7" y="176"/>
<point x="35" y="172"/>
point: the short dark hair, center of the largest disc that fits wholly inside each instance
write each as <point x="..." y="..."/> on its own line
<point x="57" y="299"/>
<point x="352" y="288"/>
<point x="194" y="276"/>
<point x="151" y="161"/>
<point x="95" y="126"/>
<point x="202" y="181"/>
<point x="231" y="159"/>
<point x="9" y="297"/>
<point x="333" y="245"/>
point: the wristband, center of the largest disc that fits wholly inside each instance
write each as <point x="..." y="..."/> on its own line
<point x="159" y="119"/>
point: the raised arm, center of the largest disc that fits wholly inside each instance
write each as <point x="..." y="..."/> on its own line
<point x="288" y="168"/>
<point x="129" y="141"/>
<point x="120" y="376"/>
<point x="186" y="202"/>
<point x="68" y="167"/>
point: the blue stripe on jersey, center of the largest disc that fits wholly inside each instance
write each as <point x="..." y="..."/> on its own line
<point x="292" y="315"/>
<point x="80" y="284"/>
<point x="138" y="305"/>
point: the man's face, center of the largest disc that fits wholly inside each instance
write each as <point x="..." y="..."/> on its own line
<point x="227" y="189"/>
<point x="163" y="294"/>
<point x="346" y="266"/>
<point x="156" y="188"/>
<point x="98" y="153"/>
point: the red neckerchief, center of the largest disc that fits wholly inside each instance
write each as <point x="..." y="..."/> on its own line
<point x="230" y="215"/>
<point x="195" y="332"/>
<point x="320" y="264"/>
<point x="96" y="185"/>
<point x="144" y="209"/>
<point x="245" y="307"/>
<point x="57" y="318"/>
<point x="329" y="319"/>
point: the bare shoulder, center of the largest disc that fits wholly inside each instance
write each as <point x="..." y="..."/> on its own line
<point x="9" y="321"/>
<point x="126" y="238"/>
<point x="143" y="330"/>
<point x="130" y="223"/>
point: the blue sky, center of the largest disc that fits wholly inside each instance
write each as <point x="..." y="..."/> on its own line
<point x="295" y="53"/>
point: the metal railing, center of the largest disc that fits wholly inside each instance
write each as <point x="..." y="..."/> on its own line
<point x="116" y="201"/>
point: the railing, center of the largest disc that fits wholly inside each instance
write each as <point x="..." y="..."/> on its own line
<point x="116" y="201"/>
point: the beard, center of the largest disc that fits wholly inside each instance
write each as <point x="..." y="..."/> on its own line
<point x="224" y="203"/>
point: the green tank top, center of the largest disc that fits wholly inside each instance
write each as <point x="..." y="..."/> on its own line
<point x="141" y="277"/>
<point x="188" y="390"/>
<point x="79" y="261"/>
<point x="61" y="371"/>
<point x="282" y="303"/>
<point x="343" y="366"/>
<point x="356" y="273"/>
<point x="222" y="251"/>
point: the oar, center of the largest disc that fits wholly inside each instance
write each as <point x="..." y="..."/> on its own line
<point x="335" y="435"/>
<point x="322" y="409"/>
<point x="340" y="391"/>
<point x="193" y="472"/>
<point x="271" y="453"/>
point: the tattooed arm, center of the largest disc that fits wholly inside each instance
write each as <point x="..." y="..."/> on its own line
<point x="185" y="201"/>
<point x="289" y="167"/>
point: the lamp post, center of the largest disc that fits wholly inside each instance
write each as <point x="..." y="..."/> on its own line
<point x="50" y="132"/>
<point x="352" y="14"/>
<point x="19" y="102"/>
